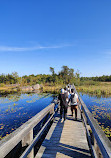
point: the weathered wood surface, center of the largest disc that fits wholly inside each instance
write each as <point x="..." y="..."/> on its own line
<point x="8" y="143"/>
<point x="67" y="139"/>
<point x="99" y="143"/>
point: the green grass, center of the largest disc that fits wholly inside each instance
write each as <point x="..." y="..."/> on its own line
<point x="103" y="88"/>
<point x="54" y="89"/>
<point x="97" y="88"/>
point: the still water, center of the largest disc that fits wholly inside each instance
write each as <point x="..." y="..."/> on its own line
<point x="100" y="107"/>
<point x="17" y="109"/>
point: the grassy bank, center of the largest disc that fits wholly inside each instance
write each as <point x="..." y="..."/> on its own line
<point x="52" y="89"/>
<point x="103" y="88"/>
<point x="55" y="89"/>
<point x="100" y="88"/>
<point x="8" y="89"/>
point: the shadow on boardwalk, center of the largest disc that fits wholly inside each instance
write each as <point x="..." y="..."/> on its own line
<point x="53" y="147"/>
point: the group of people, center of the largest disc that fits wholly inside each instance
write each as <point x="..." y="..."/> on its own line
<point x="67" y="98"/>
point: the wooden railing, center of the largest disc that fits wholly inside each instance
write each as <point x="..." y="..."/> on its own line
<point x="99" y="144"/>
<point x="24" y="133"/>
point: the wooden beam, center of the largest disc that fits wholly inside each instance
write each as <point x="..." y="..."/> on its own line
<point x="9" y="142"/>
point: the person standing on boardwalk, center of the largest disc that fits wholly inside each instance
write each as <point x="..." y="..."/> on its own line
<point x="67" y="94"/>
<point x="63" y="104"/>
<point x="68" y="89"/>
<point x="73" y="102"/>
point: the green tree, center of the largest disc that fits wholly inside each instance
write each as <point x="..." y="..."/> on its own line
<point x="52" y="70"/>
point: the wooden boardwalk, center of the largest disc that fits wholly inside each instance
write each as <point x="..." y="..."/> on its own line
<point x="65" y="140"/>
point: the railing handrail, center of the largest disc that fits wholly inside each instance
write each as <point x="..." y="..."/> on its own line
<point x="30" y="147"/>
<point x="102" y="141"/>
<point x="9" y="142"/>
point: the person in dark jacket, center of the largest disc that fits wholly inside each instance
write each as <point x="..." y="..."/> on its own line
<point x="66" y="93"/>
<point x="63" y="104"/>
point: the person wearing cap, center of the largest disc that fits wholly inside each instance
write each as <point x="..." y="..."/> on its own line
<point x="63" y="104"/>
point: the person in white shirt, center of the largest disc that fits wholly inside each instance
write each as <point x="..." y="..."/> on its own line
<point x="73" y="102"/>
<point x="69" y="90"/>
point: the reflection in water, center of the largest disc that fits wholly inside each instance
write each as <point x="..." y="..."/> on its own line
<point x="17" y="109"/>
<point x="100" y="107"/>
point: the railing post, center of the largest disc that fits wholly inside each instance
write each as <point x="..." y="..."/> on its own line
<point x="97" y="150"/>
<point x="99" y="144"/>
<point x="81" y="110"/>
<point x="27" y="141"/>
<point x="52" y="111"/>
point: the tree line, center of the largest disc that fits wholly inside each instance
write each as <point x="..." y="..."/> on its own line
<point x="100" y="78"/>
<point x="64" y="76"/>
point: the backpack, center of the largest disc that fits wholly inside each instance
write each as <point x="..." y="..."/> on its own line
<point x="73" y="99"/>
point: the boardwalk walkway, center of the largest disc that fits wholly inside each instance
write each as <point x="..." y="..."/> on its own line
<point x="65" y="140"/>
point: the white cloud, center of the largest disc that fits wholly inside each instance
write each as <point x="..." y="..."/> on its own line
<point x="20" y="49"/>
<point x="108" y="52"/>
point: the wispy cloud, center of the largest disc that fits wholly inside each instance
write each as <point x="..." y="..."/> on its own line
<point x="20" y="49"/>
<point x="107" y="54"/>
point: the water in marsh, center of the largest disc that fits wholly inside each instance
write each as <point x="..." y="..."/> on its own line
<point x="100" y="107"/>
<point x="17" y="109"/>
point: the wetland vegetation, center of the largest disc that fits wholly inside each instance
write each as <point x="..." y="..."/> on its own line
<point x="95" y="92"/>
<point x="53" y="82"/>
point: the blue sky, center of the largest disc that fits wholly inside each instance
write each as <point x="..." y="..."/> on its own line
<point x="38" y="34"/>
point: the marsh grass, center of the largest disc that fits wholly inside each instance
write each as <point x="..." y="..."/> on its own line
<point x="8" y="89"/>
<point x="103" y="88"/>
<point x="97" y="88"/>
<point x="100" y="88"/>
<point x="54" y="89"/>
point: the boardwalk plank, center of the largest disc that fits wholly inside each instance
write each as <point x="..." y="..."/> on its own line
<point x="65" y="140"/>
